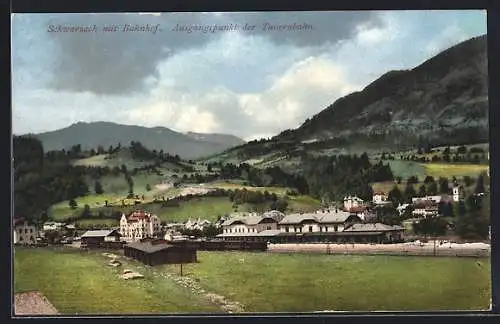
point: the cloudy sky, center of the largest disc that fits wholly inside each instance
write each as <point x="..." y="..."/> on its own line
<point x="248" y="83"/>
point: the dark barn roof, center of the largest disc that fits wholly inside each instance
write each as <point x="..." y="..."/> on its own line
<point x="149" y="247"/>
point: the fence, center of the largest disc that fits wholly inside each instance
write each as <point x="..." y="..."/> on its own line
<point x="377" y="249"/>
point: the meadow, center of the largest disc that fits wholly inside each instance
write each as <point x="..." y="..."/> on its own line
<point x="210" y="208"/>
<point x="78" y="282"/>
<point x="262" y="282"/>
<point x="454" y="169"/>
<point x="406" y="169"/>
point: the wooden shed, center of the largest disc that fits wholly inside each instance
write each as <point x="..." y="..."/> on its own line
<point x="160" y="252"/>
<point x="101" y="239"/>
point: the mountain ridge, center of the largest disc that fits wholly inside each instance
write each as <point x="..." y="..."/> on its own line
<point x="102" y="133"/>
<point x="454" y="78"/>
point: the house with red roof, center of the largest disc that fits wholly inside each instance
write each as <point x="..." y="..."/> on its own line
<point x="380" y="198"/>
<point x="139" y="225"/>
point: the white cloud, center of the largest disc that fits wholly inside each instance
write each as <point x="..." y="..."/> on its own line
<point x="242" y="84"/>
<point x="448" y="37"/>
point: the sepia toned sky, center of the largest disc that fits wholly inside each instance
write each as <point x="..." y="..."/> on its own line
<point x="247" y="83"/>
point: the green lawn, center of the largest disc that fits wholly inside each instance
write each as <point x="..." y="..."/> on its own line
<point x="406" y="169"/>
<point x="77" y="281"/>
<point x="303" y="203"/>
<point x="209" y="208"/>
<point x="300" y="282"/>
<point x="81" y="282"/>
<point x="387" y="186"/>
<point x="61" y="211"/>
<point x="450" y="169"/>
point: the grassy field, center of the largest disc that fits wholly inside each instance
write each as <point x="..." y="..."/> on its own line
<point x="303" y="203"/>
<point x="345" y="282"/>
<point x="405" y="169"/>
<point x="204" y="207"/>
<point x="209" y="208"/>
<point x="262" y="282"/>
<point x="232" y="185"/>
<point x="81" y="283"/>
<point x="61" y="211"/>
<point x="387" y="186"/>
<point x="458" y="170"/>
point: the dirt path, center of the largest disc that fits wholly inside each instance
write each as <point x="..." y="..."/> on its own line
<point x="33" y="303"/>
<point x="192" y="284"/>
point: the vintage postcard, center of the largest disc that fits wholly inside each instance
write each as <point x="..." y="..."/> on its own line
<point x="250" y="162"/>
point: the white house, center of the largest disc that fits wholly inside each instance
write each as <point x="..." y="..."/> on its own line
<point x="24" y="233"/>
<point x="52" y="226"/>
<point x="323" y="221"/>
<point x="401" y="208"/>
<point x="198" y="224"/>
<point x="351" y="202"/>
<point x="436" y="199"/>
<point x="380" y="198"/>
<point x="139" y="225"/>
<point x="425" y="209"/>
<point x="252" y="223"/>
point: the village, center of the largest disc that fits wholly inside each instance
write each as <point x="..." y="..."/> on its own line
<point x="141" y="234"/>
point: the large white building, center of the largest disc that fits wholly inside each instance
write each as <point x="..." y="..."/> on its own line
<point x="139" y="225"/>
<point x="24" y="233"/>
<point x="352" y="202"/>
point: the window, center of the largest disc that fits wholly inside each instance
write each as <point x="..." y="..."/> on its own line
<point x="335" y="228"/>
<point x="326" y="228"/>
<point x="286" y="229"/>
<point x="268" y="228"/>
<point x="321" y="229"/>
<point x="310" y="229"/>
<point x="300" y="229"/>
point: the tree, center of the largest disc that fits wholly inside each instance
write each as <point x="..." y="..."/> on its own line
<point x="468" y="181"/>
<point x="388" y="215"/>
<point x="280" y="205"/>
<point x="480" y="184"/>
<point x="98" y="188"/>
<point x="429" y="179"/>
<point x="462" y="150"/>
<point x="148" y="187"/>
<point x="462" y="210"/>
<point x="395" y="196"/>
<point x="444" y="187"/>
<point x="52" y="236"/>
<point x="432" y="189"/>
<point x="412" y="180"/>
<point x="431" y="226"/>
<point x="72" y="204"/>
<point x="86" y="211"/>
<point x="422" y="192"/>
<point x="409" y="193"/>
